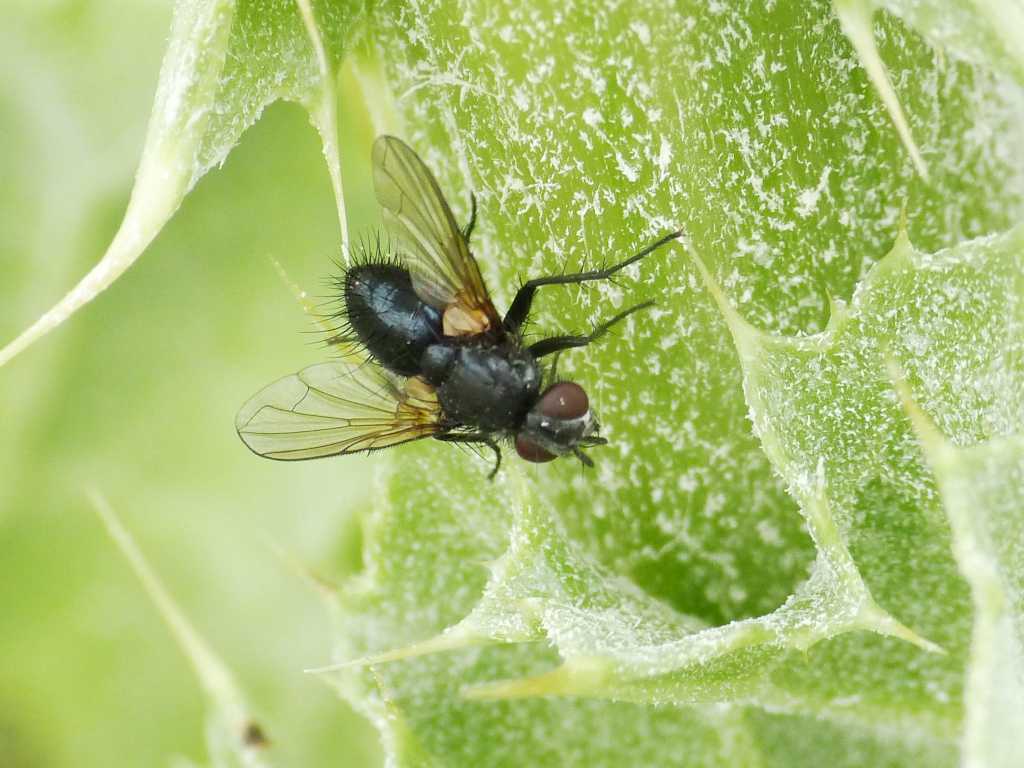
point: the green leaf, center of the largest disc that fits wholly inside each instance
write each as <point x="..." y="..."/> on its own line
<point x="680" y="571"/>
<point x="233" y="736"/>
<point x="226" y="61"/>
<point x="982" y="488"/>
<point x="987" y="32"/>
<point x="764" y="568"/>
<point x="823" y="407"/>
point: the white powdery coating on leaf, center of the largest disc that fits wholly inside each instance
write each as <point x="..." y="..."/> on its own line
<point x="754" y="129"/>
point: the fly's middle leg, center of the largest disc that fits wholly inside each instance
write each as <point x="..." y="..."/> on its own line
<point x="560" y="343"/>
<point x="476" y="438"/>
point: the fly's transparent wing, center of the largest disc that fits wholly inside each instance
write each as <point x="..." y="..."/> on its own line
<point x="444" y="272"/>
<point x="336" y="408"/>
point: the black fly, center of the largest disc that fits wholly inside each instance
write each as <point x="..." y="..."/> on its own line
<point x="443" y="363"/>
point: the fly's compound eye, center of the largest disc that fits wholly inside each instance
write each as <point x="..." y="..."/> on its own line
<point x="530" y="451"/>
<point x="564" y="401"/>
<point x="556" y="424"/>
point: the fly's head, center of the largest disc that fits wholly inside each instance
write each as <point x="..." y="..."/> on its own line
<point x="560" y="422"/>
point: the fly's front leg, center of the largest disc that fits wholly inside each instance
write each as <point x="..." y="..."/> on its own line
<point x="559" y="343"/>
<point x="472" y="438"/>
<point x="553" y="376"/>
<point x="585" y="460"/>
<point x="520" y="309"/>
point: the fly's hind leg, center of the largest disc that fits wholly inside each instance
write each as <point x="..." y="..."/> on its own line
<point x="474" y="438"/>
<point x="472" y="217"/>
<point x="557" y="344"/>
<point x="520" y="309"/>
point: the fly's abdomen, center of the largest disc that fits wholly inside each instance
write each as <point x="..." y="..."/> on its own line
<point x="388" y="317"/>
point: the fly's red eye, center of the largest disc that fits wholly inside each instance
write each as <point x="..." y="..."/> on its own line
<point x="565" y="400"/>
<point x="530" y="451"/>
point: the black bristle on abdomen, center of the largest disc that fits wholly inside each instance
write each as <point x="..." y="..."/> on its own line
<point x="370" y="250"/>
<point x="380" y="310"/>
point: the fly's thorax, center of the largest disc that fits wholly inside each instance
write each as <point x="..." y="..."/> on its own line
<point x="437" y="360"/>
<point x="489" y="387"/>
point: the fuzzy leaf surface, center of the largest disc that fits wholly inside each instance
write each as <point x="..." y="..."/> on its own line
<point x="762" y="531"/>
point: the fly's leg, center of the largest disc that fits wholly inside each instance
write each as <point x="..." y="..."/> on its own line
<point x="553" y="375"/>
<point x="585" y="460"/>
<point x="520" y="309"/>
<point x="475" y="437"/>
<point x="472" y="217"/>
<point x="558" y="344"/>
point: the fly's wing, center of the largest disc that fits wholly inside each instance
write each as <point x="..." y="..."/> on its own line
<point x="444" y="272"/>
<point x="337" y="408"/>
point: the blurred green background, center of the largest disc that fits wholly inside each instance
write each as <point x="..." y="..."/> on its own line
<point x="136" y="396"/>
